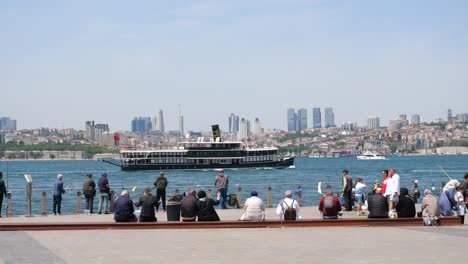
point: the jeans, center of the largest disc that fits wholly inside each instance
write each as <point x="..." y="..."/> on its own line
<point x="57" y="204"/>
<point x="222" y="200"/>
<point x="89" y="202"/>
<point x="161" y="194"/>
<point x="104" y="198"/>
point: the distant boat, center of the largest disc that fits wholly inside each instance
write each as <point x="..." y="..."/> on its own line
<point x="369" y="155"/>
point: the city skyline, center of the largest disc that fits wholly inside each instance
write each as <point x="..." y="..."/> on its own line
<point x="65" y="63"/>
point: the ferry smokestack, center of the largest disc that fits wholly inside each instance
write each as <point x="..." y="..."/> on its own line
<point x="216" y="132"/>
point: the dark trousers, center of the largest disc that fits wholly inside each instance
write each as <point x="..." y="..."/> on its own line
<point x="161" y="194"/>
<point x="57" y="204"/>
<point x="148" y="218"/>
<point x="89" y="202"/>
<point x="1" y="203"/>
<point x="347" y="200"/>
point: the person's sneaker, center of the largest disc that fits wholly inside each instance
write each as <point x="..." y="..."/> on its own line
<point x="99" y="212"/>
<point x="106" y="212"/>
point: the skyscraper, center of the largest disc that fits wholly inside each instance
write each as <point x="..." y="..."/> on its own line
<point x="449" y="115"/>
<point x="415" y="120"/>
<point x="243" y="130"/>
<point x="159" y="121"/>
<point x="256" y="127"/>
<point x="292" y="120"/>
<point x="349" y="126"/>
<point x="7" y="123"/>
<point x="141" y="124"/>
<point x="317" y="117"/>
<point x="181" y="125"/>
<point x="373" y="122"/>
<point x="329" y="117"/>
<point x="89" y="130"/>
<point x="233" y="121"/>
<point x="301" y="119"/>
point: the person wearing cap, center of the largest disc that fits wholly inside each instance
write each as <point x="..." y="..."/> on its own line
<point x="147" y="202"/>
<point x="254" y="208"/>
<point x="104" y="195"/>
<point x="288" y="202"/>
<point x="161" y="184"/>
<point x="222" y="183"/>
<point x="3" y="192"/>
<point x="58" y="191"/>
<point x="89" y="191"/>
<point x="206" y="211"/>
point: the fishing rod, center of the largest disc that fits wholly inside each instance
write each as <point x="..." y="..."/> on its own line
<point x="450" y="178"/>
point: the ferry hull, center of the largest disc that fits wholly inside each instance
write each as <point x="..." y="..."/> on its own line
<point x="282" y="164"/>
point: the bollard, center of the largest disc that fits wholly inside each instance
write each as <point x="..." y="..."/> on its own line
<point x="9" y="212"/>
<point x="29" y="199"/>
<point x="78" y="203"/>
<point x="299" y="196"/>
<point x="112" y="201"/>
<point x="44" y="204"/>
<point x="210" y="193"/>
<point x="269" y="198"/>
<point x="239" y="197"/>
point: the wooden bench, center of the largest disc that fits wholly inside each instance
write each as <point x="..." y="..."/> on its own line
<point x="346" y="222"/>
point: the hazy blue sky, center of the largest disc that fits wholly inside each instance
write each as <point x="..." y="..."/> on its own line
<point x="65" y="62"/>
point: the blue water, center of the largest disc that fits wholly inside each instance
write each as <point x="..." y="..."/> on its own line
<point x="307" y="173"/>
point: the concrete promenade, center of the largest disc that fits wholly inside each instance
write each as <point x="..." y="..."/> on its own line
<point x="265" y="245"/>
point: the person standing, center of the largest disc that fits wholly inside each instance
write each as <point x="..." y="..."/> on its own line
<point x="3" y="192"/>
<point x="161" y="184"/>
<point x="58" y="191"/>
<point x="460" y="207"/>
<point x="465" y="186"/>
<point x="254" y="208"/>
<point x="89" y="191"/>
<point x="222" y="183"/>
<point x="384" y="180"/>
<point x="393" y="189"/>
<point x="124" y="208"/>
<point x="347" y="189"/>
<point x="147" y="202"/>
<point x="104" y="193"/>
<point x="359" y="194"/>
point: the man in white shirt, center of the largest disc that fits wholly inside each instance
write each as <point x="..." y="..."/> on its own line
<point x="393" y="188"/>
<point x="286" y="203"/>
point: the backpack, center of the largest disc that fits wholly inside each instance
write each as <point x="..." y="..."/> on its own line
<point x="328" y="203"/>
<point x="290" y="212"/>
<point x="232" y="200"/>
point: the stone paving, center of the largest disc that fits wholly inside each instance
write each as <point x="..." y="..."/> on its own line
<point x="263" y="245"/>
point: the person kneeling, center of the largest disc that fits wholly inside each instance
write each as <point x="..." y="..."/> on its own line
<point x="123" y="209"/>
<point x="329" y="205"/>
<point x="147" y="202"/>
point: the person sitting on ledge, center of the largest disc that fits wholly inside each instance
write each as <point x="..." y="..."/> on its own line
<point x="189" y="208"/>
<point x="147" y="202"/>
<point x="405" y="207"/>
<point x="329" y="205"/>
<point x="377" y="205"/>
<point x="254" y="209"/>
<point x="123" y="208"/>
<point x="288" y="208"/>
<point x="206" y="211"/>
<point x="430" y="209"/>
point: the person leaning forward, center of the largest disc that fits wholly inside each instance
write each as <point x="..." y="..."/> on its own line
<point x="147" y="202"/>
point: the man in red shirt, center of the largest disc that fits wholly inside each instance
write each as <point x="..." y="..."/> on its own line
<point x="329" y="205"/>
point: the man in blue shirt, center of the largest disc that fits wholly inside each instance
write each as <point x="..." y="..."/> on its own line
<point x="58" y="191"/>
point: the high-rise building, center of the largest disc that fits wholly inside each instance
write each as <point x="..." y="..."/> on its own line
<point x="395" y="124"/>
<point x="181" y="125"/>
<point x="243" y="130"/>
<point x="89" y="130"/>
<point x="256" y="127"/>
<point x="94" y="131"/>
<point x="2" y="138"/>
<point x="317" y="117"/>
<point x="349" y="126"/>
<point x="7" y="123"/>
<point x="141" y="124"/>
<point x="159" y="121"/>
<point x="462" y="117"/>
<point x="373" y="122"/>
<point x="301" y="119"/>
<point x="329" y="117"/>
<point x="233" y="123"/>
<point x="449" y="115"/>
<point x="292" y="120"/>
<point x="415" y="120"/>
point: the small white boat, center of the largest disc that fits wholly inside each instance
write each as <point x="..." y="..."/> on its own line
<point x="369" y="155"/>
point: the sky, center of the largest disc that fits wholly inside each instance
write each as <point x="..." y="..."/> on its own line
<point x="65" y="62"/>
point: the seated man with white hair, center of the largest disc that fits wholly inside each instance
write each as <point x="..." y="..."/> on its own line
<point x="288" y="209"/>
<point x="123" y="208"/>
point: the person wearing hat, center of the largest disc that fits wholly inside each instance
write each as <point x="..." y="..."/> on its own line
<point x="104" y="190"/>
<point x="58" y="191"/>
<point x="254" y="208"/>
<point x="206" y="211"/>
<point x="89" y="191"/>
<point x="221" y="183"/>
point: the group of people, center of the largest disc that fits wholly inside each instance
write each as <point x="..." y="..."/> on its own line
<point x="391" y="200"/>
